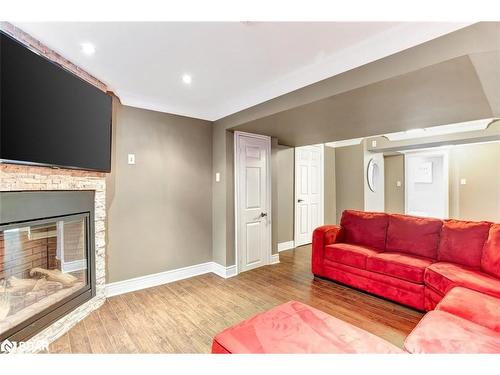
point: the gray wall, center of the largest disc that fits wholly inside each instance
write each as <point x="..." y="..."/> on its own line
<point x="479" y="199"/>
<point x="223" y="239"/>
<point x="330" y="187"/>
<point x="285" y="174"/>
<point x="349" y="178"/>
<point x="394" y="167"/>
<point x="159" y="210"/>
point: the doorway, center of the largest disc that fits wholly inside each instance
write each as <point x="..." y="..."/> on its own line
<point x="309" y="192"/>
<point x="426" y="187"/>
<point x="252" y="200"/>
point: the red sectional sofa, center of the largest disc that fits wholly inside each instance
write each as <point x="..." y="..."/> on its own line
<point x="411" y="260"/>
<point x="451" y="267"/>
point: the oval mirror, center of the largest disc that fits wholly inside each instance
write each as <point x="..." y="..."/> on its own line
<point x="372" y="175"/>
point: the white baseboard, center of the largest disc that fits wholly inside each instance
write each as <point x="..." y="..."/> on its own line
<point x="282" y="246"/>
<point x="148" y="281"/>
<point x="225" y="272"/>
<point x="275" y="258"/>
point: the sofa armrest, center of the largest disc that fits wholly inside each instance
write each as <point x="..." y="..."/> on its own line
<point x="323" y="236"/>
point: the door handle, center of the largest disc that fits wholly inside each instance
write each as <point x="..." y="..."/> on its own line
<point x="300" y="200"/>
<point x="263" y="214"/>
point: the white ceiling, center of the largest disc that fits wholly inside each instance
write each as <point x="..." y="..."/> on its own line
<point x="234" y="65"/>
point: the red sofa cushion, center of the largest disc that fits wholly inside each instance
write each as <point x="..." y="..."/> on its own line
<point x="490" y="261"/>
<point x="365" y="228"/>
<point x="474" y="306"/>
<point x="443" y="276"/>
<point x="402" y="266"/>
<point x="297" y="328"/>
<point x="462" y="242"/>
<point x="441" y="332"/>
<point x="352" y="255"/>
<point x="413" y="235"/>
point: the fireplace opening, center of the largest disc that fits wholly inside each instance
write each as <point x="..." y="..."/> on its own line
<point x="46" y="263"/>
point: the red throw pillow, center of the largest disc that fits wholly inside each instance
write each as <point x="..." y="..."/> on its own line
<point x="413" y="235"/>
<point x="490" y="262"/>
<point x="365" y="228"/>
<point x="462" y="242"/>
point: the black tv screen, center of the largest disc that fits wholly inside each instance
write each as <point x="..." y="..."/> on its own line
<point x="48" y="115"/>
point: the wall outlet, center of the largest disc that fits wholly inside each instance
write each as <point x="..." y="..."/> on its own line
<point x="217" y="177"/>
<point x="398" y="183"/>
<point x="463" y="181"/>
<point x="131" y="158"/>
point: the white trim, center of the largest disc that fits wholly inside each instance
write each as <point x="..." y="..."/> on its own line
<point x="237" y="136"/>
<point x="344" y="143"/>
<point x="282" y="246"/>
<point x="149" y="281"/>
<point x="225" y="272"/>
<point x="322" y="193"/>
<point x="275" y="258"/>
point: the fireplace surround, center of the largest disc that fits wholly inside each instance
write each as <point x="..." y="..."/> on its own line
<point x="17" y="178"/>
<point x="47" y="258"/>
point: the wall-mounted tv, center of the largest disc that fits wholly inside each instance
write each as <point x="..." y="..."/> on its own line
<point x="48" y="115"/>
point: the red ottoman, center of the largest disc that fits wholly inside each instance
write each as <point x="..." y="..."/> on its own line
<point x="298" y="328"/>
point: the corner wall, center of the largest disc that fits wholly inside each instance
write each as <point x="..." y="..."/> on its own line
<point x="160" y="209"/>
<point x="394" y="166"/>
<point x="349" y="163"/>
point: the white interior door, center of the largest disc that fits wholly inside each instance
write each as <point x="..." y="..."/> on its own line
<point x="426" y="184"/>
<point x="253" y="195"/>
<point x="309" y="206"/>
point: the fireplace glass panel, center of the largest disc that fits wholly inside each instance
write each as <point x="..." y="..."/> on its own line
<point x="42" y="264"/>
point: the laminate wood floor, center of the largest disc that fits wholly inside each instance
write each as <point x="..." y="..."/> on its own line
<point x="184" y="316"/>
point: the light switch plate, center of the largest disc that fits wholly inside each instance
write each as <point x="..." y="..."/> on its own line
<point x="398" y="183"/>
<point x="131" y="159"/>
<point x="217" y="177"/>
<point x="463" y="181"/>
<point x="374" y="143"/>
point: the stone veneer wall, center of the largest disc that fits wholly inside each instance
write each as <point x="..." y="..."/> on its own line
<point x="17" y="177"/>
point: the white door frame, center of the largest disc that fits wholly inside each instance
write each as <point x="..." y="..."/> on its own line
<point x="237" y="192"/>
<point x="430" y="153"/>
<point x="322" y="192"/>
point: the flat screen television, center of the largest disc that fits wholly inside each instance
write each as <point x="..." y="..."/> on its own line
<point x="48" y="115"/>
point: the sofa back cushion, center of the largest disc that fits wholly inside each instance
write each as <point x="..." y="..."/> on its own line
<point x="365" y="228"/>
<point x="462" y="242"/>
<point x="490" y="261"/>
<point x="413" y="235"/>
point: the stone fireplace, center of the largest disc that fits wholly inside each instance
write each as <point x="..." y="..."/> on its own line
<point x="60" y="230"/>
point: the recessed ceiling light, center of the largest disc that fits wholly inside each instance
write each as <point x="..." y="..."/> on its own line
<point x="88" y="48"/>
<point x="187" y="79"/>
